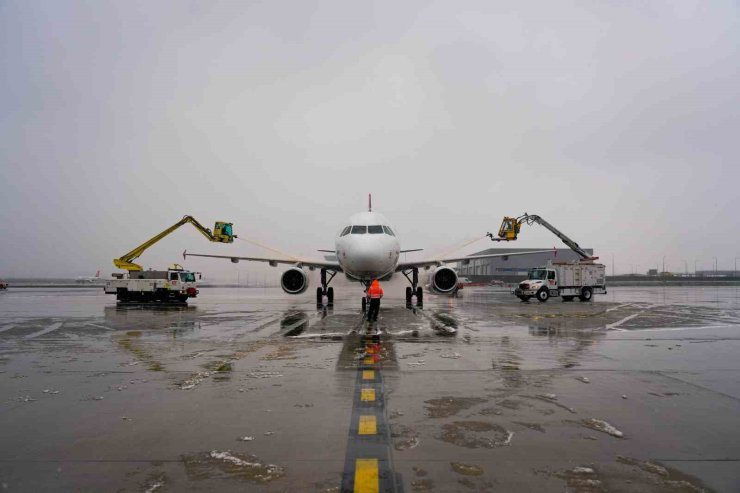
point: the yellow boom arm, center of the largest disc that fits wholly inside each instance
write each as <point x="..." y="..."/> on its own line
<point x="222" y="233"/>
<point x="510" y="226"/>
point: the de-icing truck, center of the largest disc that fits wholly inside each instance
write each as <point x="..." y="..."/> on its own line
<point x="582" y="278"/>
<point x="567" y="280"/>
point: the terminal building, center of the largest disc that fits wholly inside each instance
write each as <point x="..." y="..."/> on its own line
<point x="512" y="268"/>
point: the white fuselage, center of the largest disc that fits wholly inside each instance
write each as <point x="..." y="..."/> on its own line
<point x="367" y="247"/>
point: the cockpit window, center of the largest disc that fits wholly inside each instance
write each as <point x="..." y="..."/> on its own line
<point x="388" y="231"/>
<point x="375" y="230"/>
<point x="345" y="231"/>
<point x="359" y="230"/>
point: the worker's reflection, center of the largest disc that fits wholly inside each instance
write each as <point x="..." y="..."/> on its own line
<point x="379" y="348"/>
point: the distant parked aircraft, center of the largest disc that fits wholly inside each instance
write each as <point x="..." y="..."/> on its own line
<point x="86" y="280"/>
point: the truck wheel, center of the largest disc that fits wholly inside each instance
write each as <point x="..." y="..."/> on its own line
<point x="568" y="298"/>
<point x="542" y="295"/>
<point x="586" y="294"/>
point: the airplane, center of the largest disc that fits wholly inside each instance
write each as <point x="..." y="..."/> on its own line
<point x="84" y="279"/>
<point x="366" y="248"/>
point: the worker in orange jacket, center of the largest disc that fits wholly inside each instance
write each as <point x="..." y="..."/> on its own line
<point x="375" y="292"/>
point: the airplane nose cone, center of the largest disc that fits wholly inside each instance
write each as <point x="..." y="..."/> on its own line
<point x="368" y="259"/>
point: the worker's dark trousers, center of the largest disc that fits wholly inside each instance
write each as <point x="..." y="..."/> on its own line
<point x="372" y="313"/>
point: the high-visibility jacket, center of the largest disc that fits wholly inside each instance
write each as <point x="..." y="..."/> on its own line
<point x="375" y="291"/>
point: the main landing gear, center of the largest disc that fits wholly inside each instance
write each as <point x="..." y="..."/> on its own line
<point x="324" y="289"/>
<point x="414" y="290"/>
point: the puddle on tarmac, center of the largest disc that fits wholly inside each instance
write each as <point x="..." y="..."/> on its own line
<point x="582" y="480"/>
<point x="475" y="434"/>
<point x="645" y="466"/>
<point x="217" y="464"/>
<point x="445" y="407"/>
<point x="422" y="485"/>
<point x="466" y="469"/>
<point x="282" y="352"/>
<point x="531" y="426"/>
<point x="637" y="476"/>
<point x="404" y="437"/>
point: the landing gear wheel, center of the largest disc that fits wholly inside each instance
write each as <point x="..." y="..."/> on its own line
<point x="586" y="294"/>
<point x="319" y="296"/>
<point x="543" y="295"/>
<point x="408" y="295"/>
<point x="364" y="305"/>
<point x="330" y="296"/>
<point x="419" y="296"/>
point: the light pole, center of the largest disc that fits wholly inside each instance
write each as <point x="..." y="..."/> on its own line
<point x="734" y="273"/>
<point x="715" y="266"/>
<point x="663" y="264"/>
<point x="686" y="267"/>
<point x="695" y="261"/>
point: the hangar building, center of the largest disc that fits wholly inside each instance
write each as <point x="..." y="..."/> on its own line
<point x="514" y="268"/>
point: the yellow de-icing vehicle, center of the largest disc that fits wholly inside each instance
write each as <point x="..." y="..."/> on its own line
<point x="172" y="285"/>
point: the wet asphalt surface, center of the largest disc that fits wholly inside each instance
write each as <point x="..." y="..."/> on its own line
<point x="253" y="390"/>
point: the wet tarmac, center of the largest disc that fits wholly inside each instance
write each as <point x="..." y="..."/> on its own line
<point x="253" y="390"/>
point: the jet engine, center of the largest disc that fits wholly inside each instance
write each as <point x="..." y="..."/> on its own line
<point x="443" y="280"/>
<point x="294" y="281"/>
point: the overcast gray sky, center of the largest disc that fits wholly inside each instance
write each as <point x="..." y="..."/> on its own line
<point x="617" y="121"/>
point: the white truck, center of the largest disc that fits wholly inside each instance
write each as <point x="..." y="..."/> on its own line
<point x="158" y="286"/>
<point x="567" y="280"/>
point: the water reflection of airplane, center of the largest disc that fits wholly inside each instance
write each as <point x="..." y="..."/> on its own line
<point x="366" y="248"/>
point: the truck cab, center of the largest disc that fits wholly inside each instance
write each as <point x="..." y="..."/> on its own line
<point x="541" y="282"/>
<point x="568" y="280"/>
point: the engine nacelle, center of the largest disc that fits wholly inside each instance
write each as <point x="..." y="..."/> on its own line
<point x="443" y="280"/>
<point x="294" y="281"/>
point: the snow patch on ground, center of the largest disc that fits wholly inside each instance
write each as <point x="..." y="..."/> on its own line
<point x="603" y="426"/>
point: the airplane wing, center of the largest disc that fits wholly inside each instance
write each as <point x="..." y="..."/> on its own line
<point x="429" y="263"/>
<point x="311" y="264"/>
